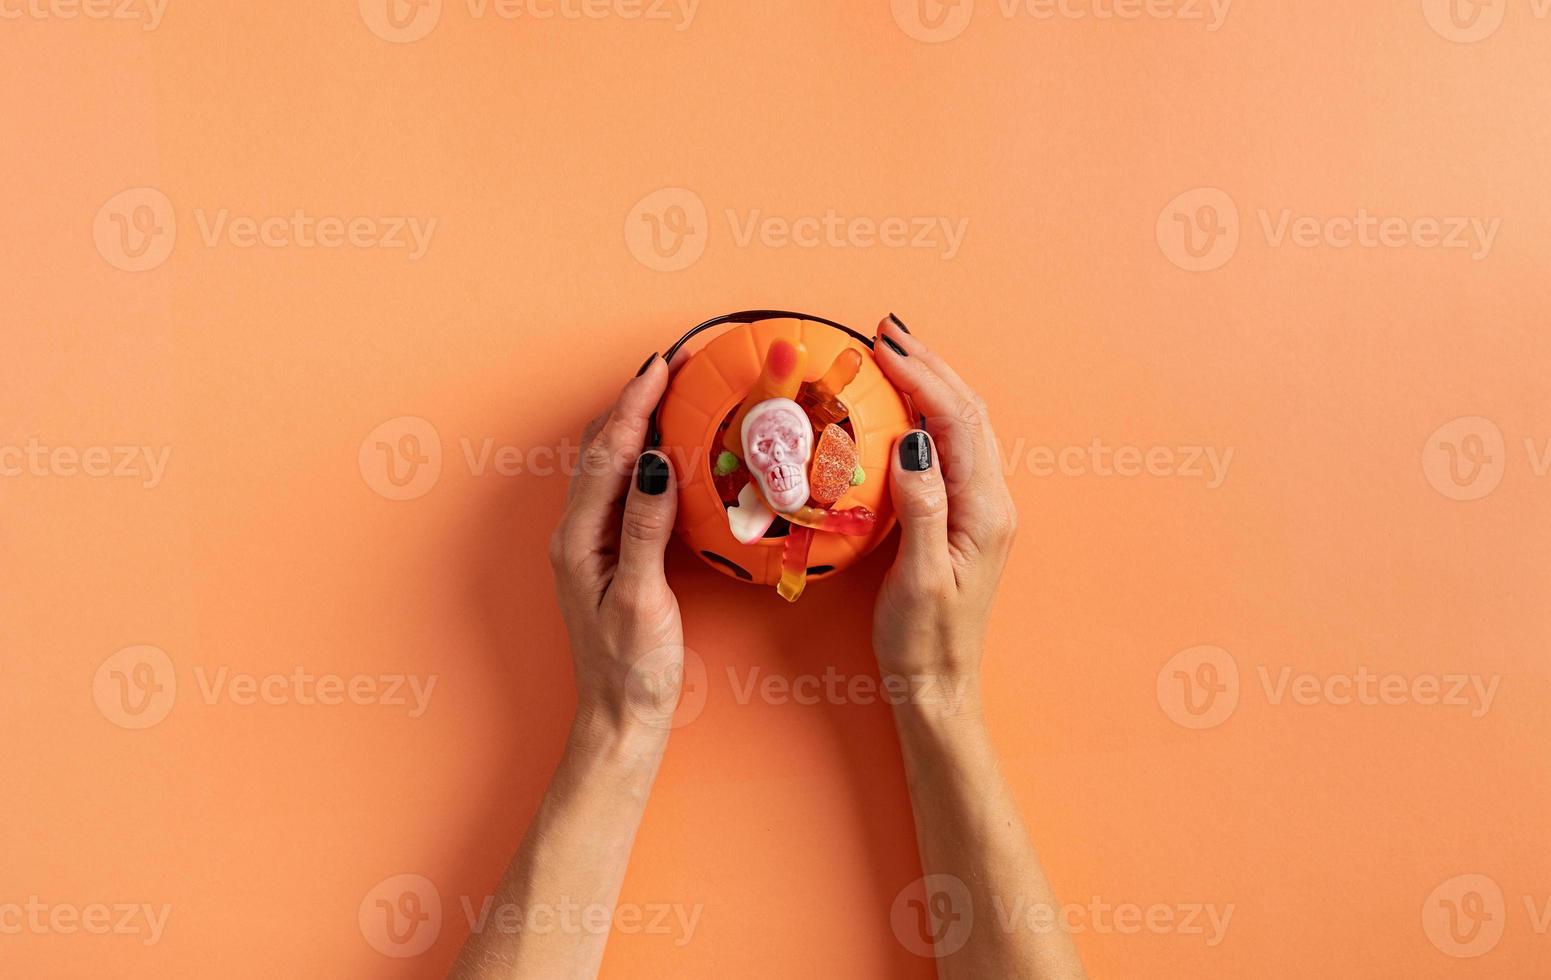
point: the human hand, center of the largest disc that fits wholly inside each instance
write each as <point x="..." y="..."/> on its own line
<point x="957" y="522"/>
<point x="627" y="641"/>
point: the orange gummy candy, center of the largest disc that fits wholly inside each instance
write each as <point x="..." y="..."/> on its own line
<point x="834" y="460"/>
<point x="781" y="378"/>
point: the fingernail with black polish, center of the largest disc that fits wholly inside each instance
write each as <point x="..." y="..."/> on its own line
<point x="651" y="473"/>
<point x="915" y="452"/>
<point x="646" y="364"/>
<point x="899" y="323"/>
<point x="894" y="347"/>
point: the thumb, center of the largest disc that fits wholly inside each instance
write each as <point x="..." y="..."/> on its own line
<point x="921" y="500"/>
<point x="649" y="512"/>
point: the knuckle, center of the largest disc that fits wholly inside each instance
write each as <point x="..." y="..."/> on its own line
<point x="559" y="549"/>
<point x="928" y="501"/>
<point x="599" y="456"/>
<point x="1001" y="525"/>
<point x="633" y="605"/>
<point x="973" y="411"/>
<point x="643" y="524"/>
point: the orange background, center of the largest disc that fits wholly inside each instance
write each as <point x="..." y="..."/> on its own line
<point x="1061" y="141"/>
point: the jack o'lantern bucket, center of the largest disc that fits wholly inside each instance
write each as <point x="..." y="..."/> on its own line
<point x="709" y="386"/>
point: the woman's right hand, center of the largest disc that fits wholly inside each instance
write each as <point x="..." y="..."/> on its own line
<point x="957" y="522"/>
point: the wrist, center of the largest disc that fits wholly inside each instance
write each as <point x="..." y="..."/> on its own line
<point x="616" y="737"/>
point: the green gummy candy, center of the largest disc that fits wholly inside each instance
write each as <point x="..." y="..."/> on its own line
<point x="726" y="463"/>
<point x="858" y="477"/>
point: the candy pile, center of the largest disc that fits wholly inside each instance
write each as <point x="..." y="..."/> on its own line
<point x="786" y="454"/>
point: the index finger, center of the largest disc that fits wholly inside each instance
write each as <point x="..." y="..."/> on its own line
<point x="607" y="460"/>
<point x="955" y="415"/>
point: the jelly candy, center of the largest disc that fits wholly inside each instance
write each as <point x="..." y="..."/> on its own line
<point x="794" y="564"/>
<point x="781" y="378"/>
<point x="751" y="518"/>
<point x="854" y="521"/>
<point x="821" y="398"/>
<point x="777" y="439"/>
<point x="834" y="464"/>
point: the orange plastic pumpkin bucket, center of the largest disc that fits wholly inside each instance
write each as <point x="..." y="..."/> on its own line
<point x="710" y="383"/>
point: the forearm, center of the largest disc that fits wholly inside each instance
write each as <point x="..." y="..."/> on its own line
<point x="968" y="826"/>
<point x="547" y="918"/>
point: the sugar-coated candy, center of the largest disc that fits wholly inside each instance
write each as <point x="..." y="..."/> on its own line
<point x="834" y="463"/>
<point x="781" y="378"/>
